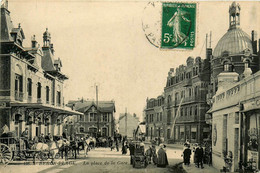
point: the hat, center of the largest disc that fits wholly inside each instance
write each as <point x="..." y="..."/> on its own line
<point x="161" y="145"/>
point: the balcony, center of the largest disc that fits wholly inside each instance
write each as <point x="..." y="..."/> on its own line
<point x="18" y="96"/>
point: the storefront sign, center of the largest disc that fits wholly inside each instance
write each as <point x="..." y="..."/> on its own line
<point x="255" y="104"/>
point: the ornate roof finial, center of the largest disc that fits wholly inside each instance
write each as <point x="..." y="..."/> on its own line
<point x="4" y="4"/>
<point x="234" y="15"/>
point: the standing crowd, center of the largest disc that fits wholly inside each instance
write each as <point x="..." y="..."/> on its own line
<point x="201" y="155"/>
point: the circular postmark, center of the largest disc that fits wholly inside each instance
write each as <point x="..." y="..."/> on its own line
<point x="151" y="23"/>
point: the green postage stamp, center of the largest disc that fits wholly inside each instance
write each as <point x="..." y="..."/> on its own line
<point x="178" y="25"/>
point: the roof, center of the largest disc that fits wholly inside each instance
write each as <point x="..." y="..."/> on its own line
<point x="6" y="25"/>
<point x="83" y="106"/>
<point x="235" y="41"/>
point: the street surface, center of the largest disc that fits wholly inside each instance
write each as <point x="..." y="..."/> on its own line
<point x="98" y="160"/>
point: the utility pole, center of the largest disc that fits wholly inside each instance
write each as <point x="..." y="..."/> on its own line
<point x="97" y="109"/>
<point x="126" y="121"/>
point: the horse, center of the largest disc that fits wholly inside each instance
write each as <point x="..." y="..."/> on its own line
<point x="52" y="148"/>
<point x="63" y="145"/>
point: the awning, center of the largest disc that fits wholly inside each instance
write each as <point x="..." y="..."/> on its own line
<point x="62" y="110"/>
<point x="142" y="128"/>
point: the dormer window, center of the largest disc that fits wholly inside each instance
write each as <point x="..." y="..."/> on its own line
<point x="226" y="66"/>
<point x="246" y="64"/>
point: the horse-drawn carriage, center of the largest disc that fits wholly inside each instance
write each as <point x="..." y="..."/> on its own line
<point x="14" y="148"/>
<point x="139" y="158"/>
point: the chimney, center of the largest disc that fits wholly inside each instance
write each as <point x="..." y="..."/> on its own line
<point x="225" y="79"/>
<point x="254" y="41"/>
<point x="34" y="42"/>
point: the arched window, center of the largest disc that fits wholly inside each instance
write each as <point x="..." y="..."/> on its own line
<point x="169" y="98"/>
<point x="226" y="66"/>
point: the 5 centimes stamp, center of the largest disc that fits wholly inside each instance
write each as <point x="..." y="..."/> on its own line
<point x="178" y="25"/>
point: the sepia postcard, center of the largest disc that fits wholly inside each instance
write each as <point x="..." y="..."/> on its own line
<point x="129" y="86"/>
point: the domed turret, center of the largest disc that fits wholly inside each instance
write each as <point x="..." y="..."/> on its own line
<point x="235" y="41"/>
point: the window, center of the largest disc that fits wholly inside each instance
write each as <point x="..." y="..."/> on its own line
<point x="196" y="111"/>
<point x="105" y="117"/>
<point x="246" y="64"/>
<point x="47" y="94"/>
<point x="169" y="116"/>
<point x="157" y="116"/>
<point x="181" y="111"/>
<point x="190" y="110"/>
<point x="81" y="129"/>
<point x="226" y="66"/>
<point x="169" y="98"/>
<point x="29" y="87"/>
<point x="18" y="83"/>
<point x="39" y="90"/>
<point x="160" y="116"/>
<point x="58" y="97"/>
<point x="92" y="117"/>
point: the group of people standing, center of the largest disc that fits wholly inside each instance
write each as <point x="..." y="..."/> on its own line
<point x="198" y="155"/>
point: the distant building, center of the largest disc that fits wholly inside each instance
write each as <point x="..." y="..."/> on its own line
<point x="155" y="119"/>
<point x="128" y="121"/>
<point x="98" y="120"/>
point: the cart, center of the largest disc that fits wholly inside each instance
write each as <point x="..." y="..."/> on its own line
<point x="139" y="158"/>
<point x="13" y="148"/>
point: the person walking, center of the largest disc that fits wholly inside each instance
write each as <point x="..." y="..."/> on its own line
<point x="25" y="136"/>
<point x="199" y="154"/>
<point x="154" y="155"/>
<point x="162" y="157"/>
<point x="186" y="155"/>
<point x="132" y="151"/>
<point x="117" y="147"/>
<point x="149" y="154"/>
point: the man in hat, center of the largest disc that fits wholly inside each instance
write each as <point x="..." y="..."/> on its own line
<point x="186" y="155"/>
<point x="199" y="153"/>
<point x="25" y="136"/>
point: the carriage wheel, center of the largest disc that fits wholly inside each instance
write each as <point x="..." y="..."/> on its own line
<point x="6" y="154"/>
<point x="42" y="156"/>
<point x="57" y="155"/>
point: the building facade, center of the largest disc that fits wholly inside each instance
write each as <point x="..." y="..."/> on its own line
<point x="185" y="104"/>
<point x="128" y="124"/>
<point x="31" y="83"/>
<point x="235" y="107"/>
<point x="97" y="119"/>
<point x="155" y="119"/>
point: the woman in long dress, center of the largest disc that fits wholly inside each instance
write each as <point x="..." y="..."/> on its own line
<point x="162" y="160"/>
<point x="175" y="22"/>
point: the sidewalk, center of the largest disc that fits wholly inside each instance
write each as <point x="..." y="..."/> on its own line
<point x="193" y="169"/>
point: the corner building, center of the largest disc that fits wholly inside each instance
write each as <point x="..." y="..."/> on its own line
<point x="31" y="83"/>
<point x="234" y="108"/>
<point x="186" y="90"/>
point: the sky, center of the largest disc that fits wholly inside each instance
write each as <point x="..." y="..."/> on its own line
<point x="102" y="43"/>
